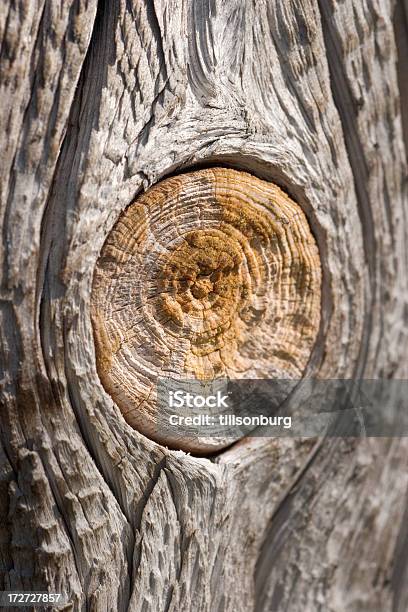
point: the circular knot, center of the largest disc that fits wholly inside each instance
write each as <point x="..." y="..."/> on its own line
<point x="208" y="274"/>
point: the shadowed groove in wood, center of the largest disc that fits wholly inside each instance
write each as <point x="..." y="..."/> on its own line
<point x="208" y="274"/>
<point x="400" y="22"/>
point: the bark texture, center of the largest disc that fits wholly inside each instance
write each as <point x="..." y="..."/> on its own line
<point x="99" y="101"/>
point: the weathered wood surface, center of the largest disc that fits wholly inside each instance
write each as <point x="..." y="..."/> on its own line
<point x="100" y="100"/>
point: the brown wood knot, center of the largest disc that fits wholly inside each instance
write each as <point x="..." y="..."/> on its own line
<point x="200" y="278"/>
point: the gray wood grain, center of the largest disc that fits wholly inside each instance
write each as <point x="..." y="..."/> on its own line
<point x="100" y="100"/>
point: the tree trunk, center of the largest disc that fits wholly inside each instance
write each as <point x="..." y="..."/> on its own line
<point x="99" y="101"/>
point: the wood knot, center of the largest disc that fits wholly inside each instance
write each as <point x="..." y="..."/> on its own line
<point x="201" y="279"/>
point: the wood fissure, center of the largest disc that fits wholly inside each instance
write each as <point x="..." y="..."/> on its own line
<point x="400" y="20"/>
<point x="345" y="104"/>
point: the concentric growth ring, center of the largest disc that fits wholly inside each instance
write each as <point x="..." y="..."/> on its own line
<point x="211" y="273"/>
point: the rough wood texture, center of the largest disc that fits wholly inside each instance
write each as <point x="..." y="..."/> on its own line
<point x="99" y="101"/>
<point x="209" y="274"/>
